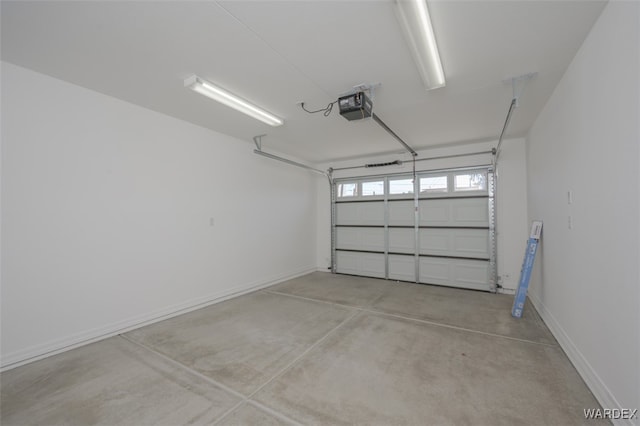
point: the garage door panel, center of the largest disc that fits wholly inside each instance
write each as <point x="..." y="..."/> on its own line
<point x="360" y="238"/>
<point x="402" y="240"/>
<point x="401" y="213"/>
<point x="455" y="242"/>
<point x="472" y="273"/>
<point x="434" y="214"/>
<point x="435" y="271"/>
<point x="364" y="264"/>
<point x="371" y="213"/>
<point x="472" y="211"/>
<point x="454" y="212"/>
<point x="435" y="241"/>
<point x="402" y="268"/>
<point x="474" y="244"/>
<point x="463" y="273"/>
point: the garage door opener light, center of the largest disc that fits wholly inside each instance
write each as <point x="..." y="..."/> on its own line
<point x="218" y="94"/>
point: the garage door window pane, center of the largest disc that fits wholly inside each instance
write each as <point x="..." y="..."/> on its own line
<point x="433" y="184"/>
<point x="347" y="190"/>
<point x="401" y="186"/>
<point x="471" y="182"/>
<point x="370" y="189"/>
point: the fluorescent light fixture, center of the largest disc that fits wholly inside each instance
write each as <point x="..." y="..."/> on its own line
<point x="216" y="93"/>
<point x="416" y="22"/>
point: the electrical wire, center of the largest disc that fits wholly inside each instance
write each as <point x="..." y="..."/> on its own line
<point x="326" y="111"/>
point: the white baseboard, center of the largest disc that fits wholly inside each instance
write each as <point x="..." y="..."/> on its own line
<point x="586" y="371"/>
<point x="37" y="352"/>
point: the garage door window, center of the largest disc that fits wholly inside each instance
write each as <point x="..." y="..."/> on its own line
<point x="349" y="189"/>
<point x="372" y="189"/>
<point x="434" y="184"/>
<point x="400" y="186"/>
<point x="473" y="181"/>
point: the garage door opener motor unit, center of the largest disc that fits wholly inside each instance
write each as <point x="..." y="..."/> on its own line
<point x="355" y="106"/>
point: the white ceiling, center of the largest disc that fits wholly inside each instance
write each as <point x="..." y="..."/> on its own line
<point x="276" y="53"/>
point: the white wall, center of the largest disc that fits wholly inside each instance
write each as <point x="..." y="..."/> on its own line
<point x="512" y="228"/>
<point x="106" y="211"/>
<point x="587" y="283"/>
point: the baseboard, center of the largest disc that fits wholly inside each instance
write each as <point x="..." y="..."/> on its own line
<point x="37" y="352"/>
<point x="586" y="371"/>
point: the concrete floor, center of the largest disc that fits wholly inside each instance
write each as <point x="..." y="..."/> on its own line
<point x="319" y="349"/>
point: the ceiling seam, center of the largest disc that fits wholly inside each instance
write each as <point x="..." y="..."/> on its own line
<point x="284" y="58"/>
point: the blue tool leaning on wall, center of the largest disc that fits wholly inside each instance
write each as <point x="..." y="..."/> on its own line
<point x="527" y="266"/>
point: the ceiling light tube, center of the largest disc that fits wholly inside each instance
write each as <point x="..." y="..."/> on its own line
<point x="218" y="94"/>
<point x="416" y="23"/>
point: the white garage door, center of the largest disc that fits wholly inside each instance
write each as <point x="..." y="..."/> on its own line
<point x="436" y="229"/>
